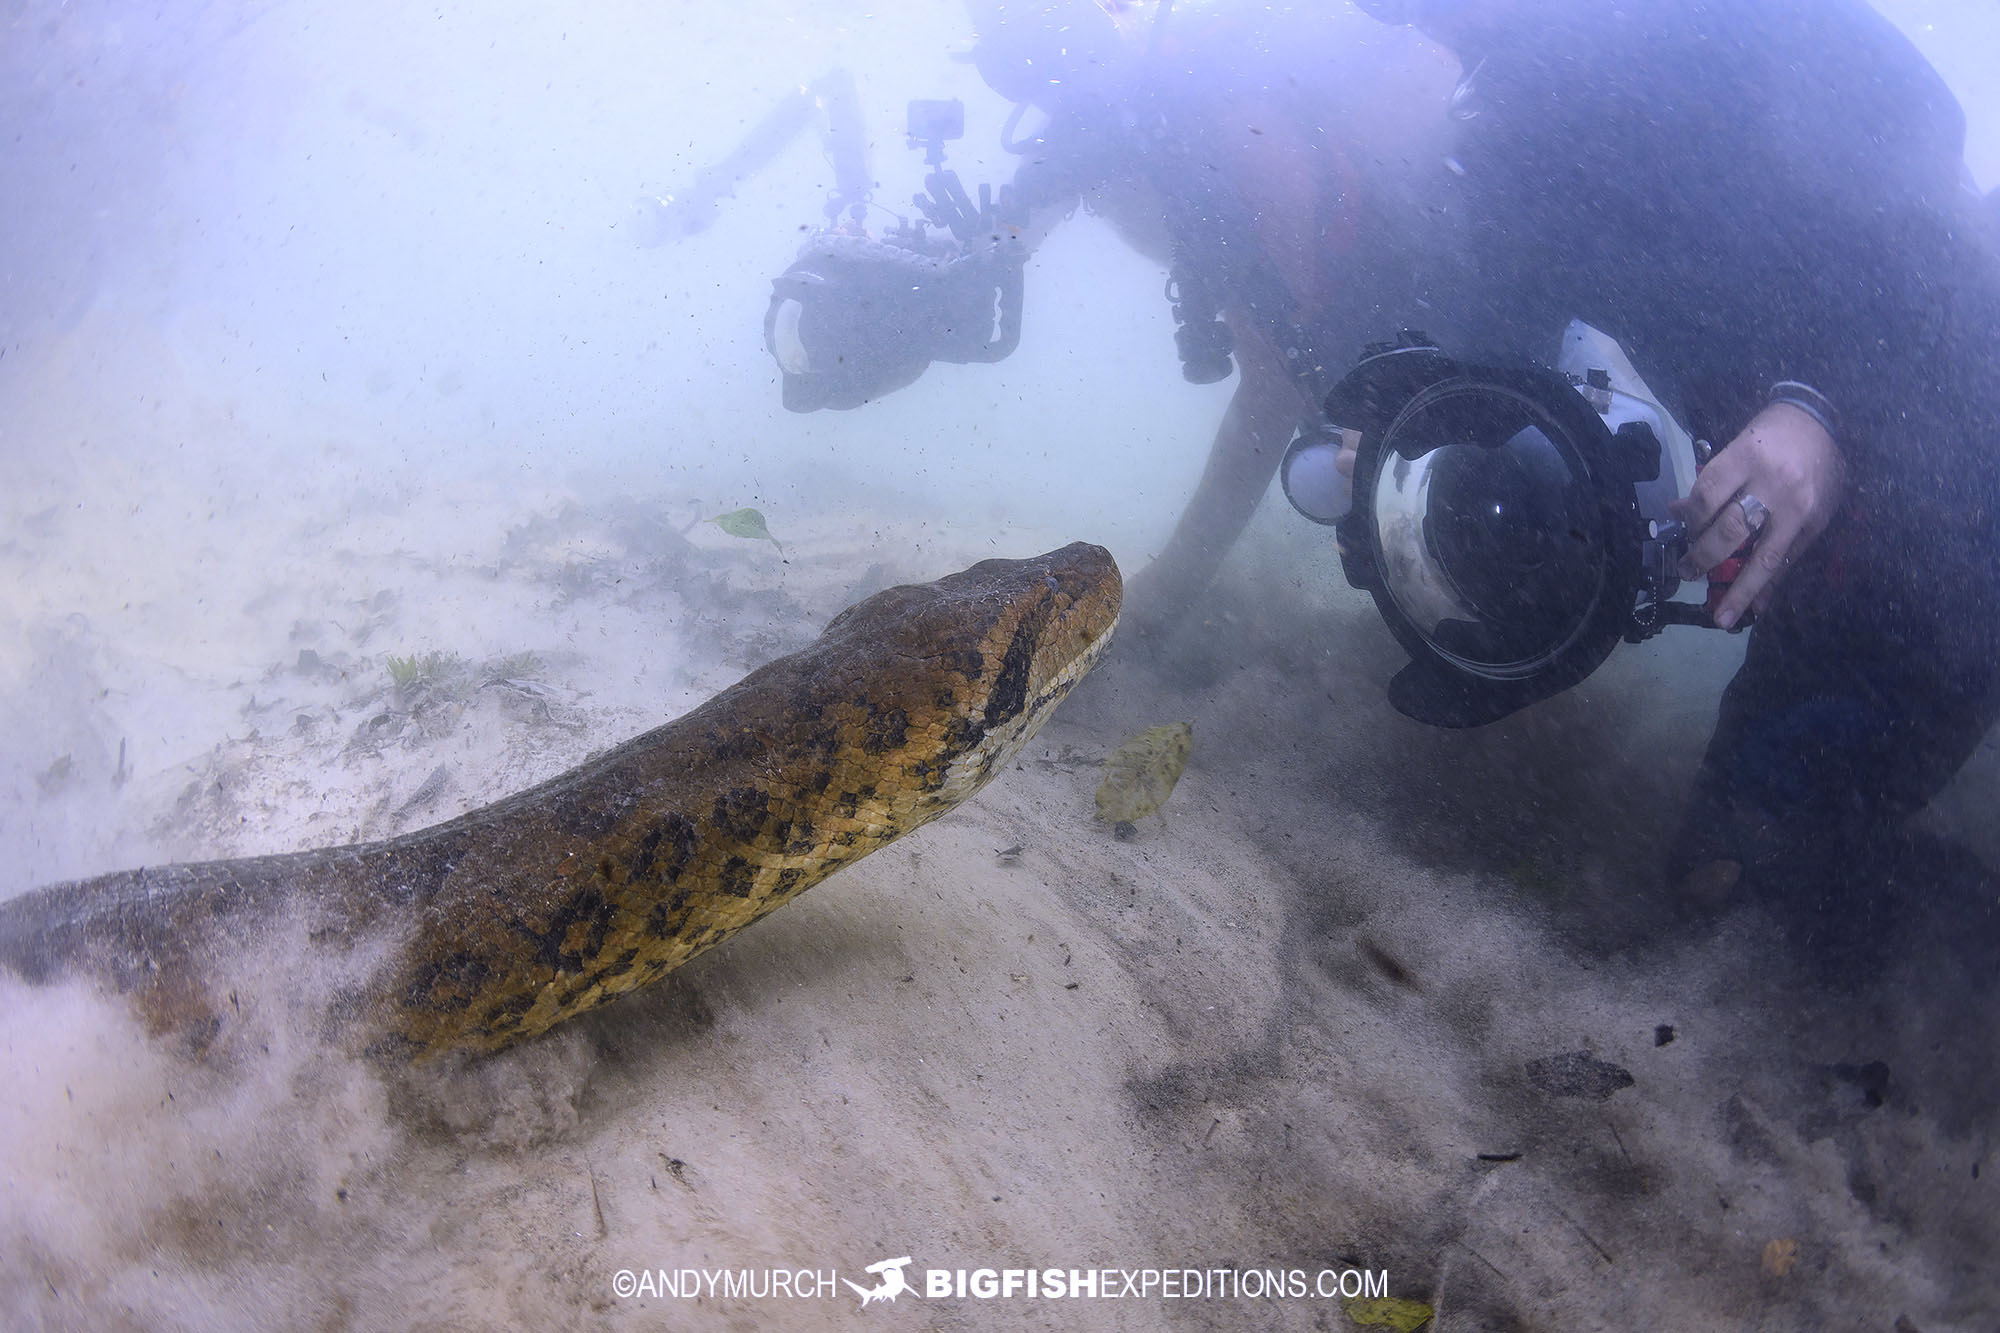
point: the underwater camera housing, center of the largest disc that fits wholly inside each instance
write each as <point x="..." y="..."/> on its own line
<point x="1511" y="524"/>
<point x="856" y="317"/>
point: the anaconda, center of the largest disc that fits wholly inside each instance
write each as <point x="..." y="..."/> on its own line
<point x="509" y="919"/>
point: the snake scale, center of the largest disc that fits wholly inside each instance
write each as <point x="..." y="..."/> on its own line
<point x="498" y="924"/>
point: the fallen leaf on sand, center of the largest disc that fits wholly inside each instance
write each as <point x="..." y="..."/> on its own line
<point x="1780" y="1255"/>
<point x="1390" y="1313"/>
<point x="1578" y="1074"/>
<point x="1140" y="774"/>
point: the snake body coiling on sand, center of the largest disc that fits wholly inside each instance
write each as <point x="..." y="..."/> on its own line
<point x="498" y="924"/>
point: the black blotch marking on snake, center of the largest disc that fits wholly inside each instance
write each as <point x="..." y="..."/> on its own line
<point x="799" y="837"/>
<point x="587" y="907"/>
<point x="667" y="847"/>
<point x="668" y="915"/>
<point x="1010" y="688"/>
<point x="849" y="803"/>
<point x="510" y="1012"/>
<point x="735" y="878"/>
<point x="460" y="977"/>
<point x="888" y="729"/>
<point x="741" y="812"/>
<point x="962" y="735"/>
<point x="928" y="775"/>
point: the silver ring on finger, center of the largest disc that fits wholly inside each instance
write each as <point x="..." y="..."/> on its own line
<point x="1755" y="512"/>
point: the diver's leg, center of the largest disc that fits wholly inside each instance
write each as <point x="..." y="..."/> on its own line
<point x="1836" y="729"/>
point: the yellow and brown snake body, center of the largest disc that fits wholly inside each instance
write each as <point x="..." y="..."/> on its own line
<point x="509" y="919"/>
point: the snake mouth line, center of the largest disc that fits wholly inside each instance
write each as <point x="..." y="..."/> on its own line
<point x="1084" y="661"/>
<point x="1072" y="671"/>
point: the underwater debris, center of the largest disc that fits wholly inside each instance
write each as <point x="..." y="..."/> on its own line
<point x="1578" y="1074"/>
<point x="1871" y="1080"/>
<point x="431" y="788"/>
<point x="56" y="776"/>
<point x="1388" y="964"/>
<point x="1068" y="761"/>
<point x="748" y="524"/>
<point x="1140" y="774"/>
<point x="678" y="1169"/>
<point x="578" y="579"/>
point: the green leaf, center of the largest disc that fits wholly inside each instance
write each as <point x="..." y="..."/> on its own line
<point x="1390" y="1313"/>
<point x="747" y="523"/>
<point x="1140" y="774"/>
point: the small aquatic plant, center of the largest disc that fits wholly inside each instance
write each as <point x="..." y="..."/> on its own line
<point x="424" y="670"/>
<point x="519" y="666"/>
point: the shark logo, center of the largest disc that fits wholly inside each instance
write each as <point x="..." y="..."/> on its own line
<point x="892" y="1286"/>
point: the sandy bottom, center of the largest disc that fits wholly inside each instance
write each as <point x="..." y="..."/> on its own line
<point x="1325" y="1015"/>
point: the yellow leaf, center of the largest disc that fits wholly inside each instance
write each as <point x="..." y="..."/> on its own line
<point x="1140" y="774"/>
<point x="1390" y="1313"/>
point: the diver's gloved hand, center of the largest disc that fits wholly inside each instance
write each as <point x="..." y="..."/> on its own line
<point x="1781" y="480"/>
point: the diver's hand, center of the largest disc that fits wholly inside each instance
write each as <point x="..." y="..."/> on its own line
<point x="1784" y="458"/>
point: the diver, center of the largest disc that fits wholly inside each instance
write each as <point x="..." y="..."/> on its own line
<point x="1262" y="154"/>
<point x="1763" y="202"/>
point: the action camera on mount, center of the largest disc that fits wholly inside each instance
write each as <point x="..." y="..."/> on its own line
<point x="936" y="120"/>
<point x="1511" y="523"/>
<point x="856" y="317"/>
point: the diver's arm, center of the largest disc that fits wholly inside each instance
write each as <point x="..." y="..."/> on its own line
<point x="1259" y="423"/>
<point x="830" y="97"/>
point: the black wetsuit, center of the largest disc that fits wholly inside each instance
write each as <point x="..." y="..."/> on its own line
<point x="1747" y="191"/>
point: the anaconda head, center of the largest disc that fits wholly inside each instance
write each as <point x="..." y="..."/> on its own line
<point x="996" y="647"/>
